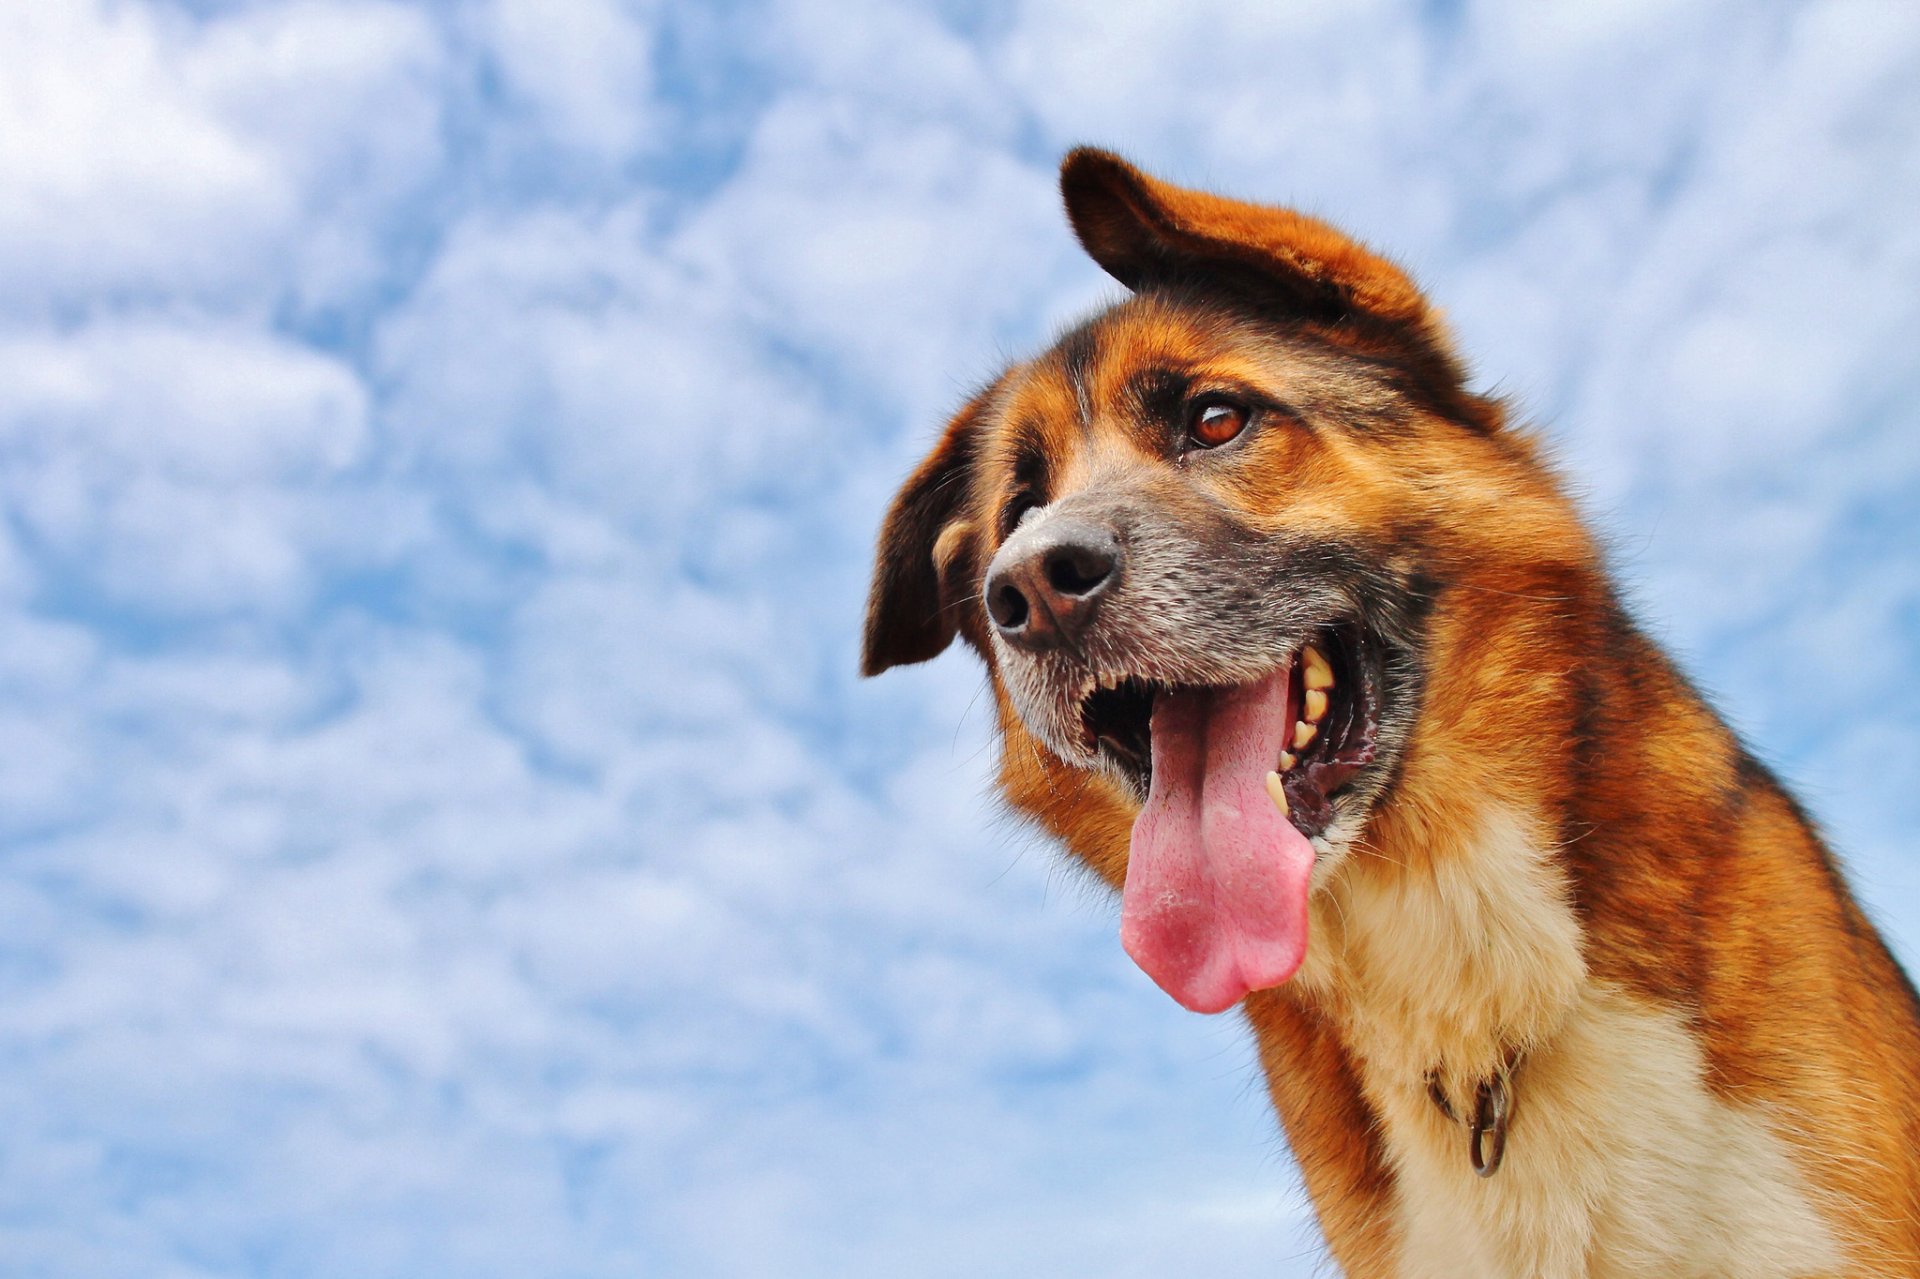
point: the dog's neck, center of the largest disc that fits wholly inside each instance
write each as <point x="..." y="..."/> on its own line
<point x="1453" y="961"/>
<point x="1445" y="942"/>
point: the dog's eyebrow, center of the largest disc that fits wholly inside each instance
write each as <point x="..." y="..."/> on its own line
<point x="1030" y="469"/>
<point x="1158" y="392"/>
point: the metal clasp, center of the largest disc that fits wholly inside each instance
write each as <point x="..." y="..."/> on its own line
<point x="1487" y="1135"/>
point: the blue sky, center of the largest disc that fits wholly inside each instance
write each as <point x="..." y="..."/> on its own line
<point x="440" y="830"/>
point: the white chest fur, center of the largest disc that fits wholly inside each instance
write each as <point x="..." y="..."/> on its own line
<point x="1621" y="1160"/>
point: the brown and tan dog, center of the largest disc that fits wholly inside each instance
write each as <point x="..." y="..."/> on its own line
<point x="1298" y="643"/>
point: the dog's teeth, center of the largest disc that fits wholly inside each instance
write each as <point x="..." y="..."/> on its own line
<point x="1287" y="761"/>
<point x="1303" y="733"/>
<point x="1317" y="672"/>
<point x="1277" y="792"/>
<point x="1316" y="705"/>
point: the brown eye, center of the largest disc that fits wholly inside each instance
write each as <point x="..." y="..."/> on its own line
<point x="1214" y="422"/>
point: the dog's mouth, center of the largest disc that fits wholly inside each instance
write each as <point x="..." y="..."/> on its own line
<point x="1235" y="781"/>
<point x="1333" y="700"/>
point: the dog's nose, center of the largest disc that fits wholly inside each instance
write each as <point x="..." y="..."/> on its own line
<point x="1042" y="589"/>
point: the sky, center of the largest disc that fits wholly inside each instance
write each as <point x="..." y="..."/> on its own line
<point x="441" y="830"/>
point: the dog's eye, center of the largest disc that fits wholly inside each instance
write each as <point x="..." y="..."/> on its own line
<point x="1211" y="423"/>
<point x="1016" y="511"/>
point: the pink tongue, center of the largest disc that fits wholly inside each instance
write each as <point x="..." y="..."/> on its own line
<point x="1215" y="903"/>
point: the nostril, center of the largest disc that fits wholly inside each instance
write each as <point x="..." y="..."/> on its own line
<point x="1078" y="570"/>
<point x="1008" y="607"/>
<point x="1045" y="583"/>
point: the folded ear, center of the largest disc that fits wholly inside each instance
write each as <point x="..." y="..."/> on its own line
<point x="1145" y="232"/>
<point x="926" y="548"/>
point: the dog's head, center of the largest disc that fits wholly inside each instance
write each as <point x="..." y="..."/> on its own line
<point x="1198" y="543"/>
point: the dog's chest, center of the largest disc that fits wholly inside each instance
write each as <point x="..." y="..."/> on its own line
<point x="1620" y="1160"/>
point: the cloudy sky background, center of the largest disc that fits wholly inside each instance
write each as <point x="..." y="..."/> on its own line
<point x="440" y="830"/>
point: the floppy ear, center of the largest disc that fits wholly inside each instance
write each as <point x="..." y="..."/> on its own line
<point x="926" y="547"/>
<point x="1145" y="232"/>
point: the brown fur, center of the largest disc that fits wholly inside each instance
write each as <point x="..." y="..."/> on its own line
<point x="1658" y="878"/>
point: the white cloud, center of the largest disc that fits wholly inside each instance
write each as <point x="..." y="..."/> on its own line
<point x="899" y="249"/>
<point x="584" y="68"/>
<point x="191" y="401"/>
<point x="175" y="464"/>
<point x="149" y="154"/>
<point x="572" y="348"/>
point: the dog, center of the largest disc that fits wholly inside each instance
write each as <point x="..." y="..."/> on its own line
<point x="1299" y="644"/>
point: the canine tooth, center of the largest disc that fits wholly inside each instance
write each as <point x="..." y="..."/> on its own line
<point x="1303" y="733"/>
<point x="1317" y="672"/>
<point x="1287" y="761"/>
<point x="1277" y="792"/>
<point x="1316" y="707"/>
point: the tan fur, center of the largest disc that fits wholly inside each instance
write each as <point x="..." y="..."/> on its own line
<point x="1574" y="865"/>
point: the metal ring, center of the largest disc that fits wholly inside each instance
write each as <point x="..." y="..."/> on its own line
<point x="1490" y="1110"/>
